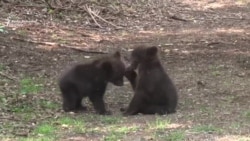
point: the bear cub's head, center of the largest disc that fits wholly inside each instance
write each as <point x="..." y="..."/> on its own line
<point x="114" y="68"/>
<point x="143" y="55"/>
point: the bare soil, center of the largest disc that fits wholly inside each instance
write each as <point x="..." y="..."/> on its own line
<point x="204" y="46"/>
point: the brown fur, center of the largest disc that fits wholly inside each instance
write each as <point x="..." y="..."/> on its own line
<point x="154" y="90"/>
<point x="90" y="80"/>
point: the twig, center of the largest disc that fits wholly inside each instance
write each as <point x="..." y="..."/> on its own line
<point x="60" y="45"/>
<point x="53" y="8"/>
<point x="81" y="50"/>
<point x="23" y="134"/>
<point x="35" y="42"/>
<point x="6" y="76"/>
<point x="49" y="5"/>
<point x="90" y="11"/>
<point x="213" y="43"/>
<point x="10" y="118"/>
<point x="177" y="18"/>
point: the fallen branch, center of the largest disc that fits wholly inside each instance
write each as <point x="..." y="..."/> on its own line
<point x="49" y="5"/>
<point x="90" y="11"/>
<point x="82" y="50"/>
<point x="10" y="118"/>
<point x="59" y="45"/>
<point x="177" y="18"/>
<point x="6" y="76"/>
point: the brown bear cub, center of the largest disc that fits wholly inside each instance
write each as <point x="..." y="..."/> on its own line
<point x="155" y="93"/>
<point x="90" y="80"/>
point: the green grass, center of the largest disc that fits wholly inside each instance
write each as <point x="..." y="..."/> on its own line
<point x="2" y="29"/>
<point x="206" y="129"/>
<point x="22" y="108"/>
<point x="126" y="129"/>
<point x="44" y="129"/>
<point x="2" y="67"/>
<point x="77" y="125"/>
<point x="159" y="123"/>
<point x="22" y="32"/>
<point x="216" y="73"/>
<point x="27" y="116"/>
<point x="235" y="126"/>
<point x="113" y="136"/>
<point x="116" y="133"/>
<point x="28" y="86"/>
<point x="173" y="136"/>
<point x="38" y="139"/>
<point x="206" y="109"/>
<point x="46" y="104"/>
<point x="247" y="115"/>
<point x="110" y="119"/>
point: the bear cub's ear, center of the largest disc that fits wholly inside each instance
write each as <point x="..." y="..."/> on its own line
<point x="151" y="51"/>
<point x="117" y="54"/>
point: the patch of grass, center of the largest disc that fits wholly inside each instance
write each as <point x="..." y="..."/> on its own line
<point x="110" y="119"/>
<point x="28" y="86"/>
<point x="113" y="136"/>
<point x="77" y="125"/>
<point x="216" y="73"/>
<point x="23" y="108"/>
<point x="235" y="126"/>
<point x="116" y="133"/>
<point x="173" y="136"/>
<point x="44" y="129"/>
<point x="206" y="129"/>
<point x="50" y="138"/>
<point x="6" y="127"/>
<point x="216" y="69"/>
<point x="126" y="129"/>
<point x="2" y="67"/>
<point x="159" y="124"/>
<point x="3" y="100"/>
<point x="206" y="109"/>
<point x="247" y="115"/>
<point x="46" y="104"/>
<point x="27" y="116"/>
<point x="2" y="29"/>
<point x="22" y="32"/>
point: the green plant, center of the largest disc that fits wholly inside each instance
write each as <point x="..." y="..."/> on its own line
<point x="109" y="120"/>
<point x="247" y="115"/>
<point x="43" y="138"/>
<point x="159" y="124"/>
<point x="22" y="108"/>
<point x="28" y="86"/>
<point x="175" y="136"/>
<point x="48" y="104"/>
<point x="2" y="67"/>
<point x="45" y="129"/>
<point x="78" y="125"/>
<point x="113" y="136"/>
<point x="2" y="29"/>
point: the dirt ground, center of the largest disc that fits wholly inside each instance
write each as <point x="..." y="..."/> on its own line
<point x="204" y="47"/>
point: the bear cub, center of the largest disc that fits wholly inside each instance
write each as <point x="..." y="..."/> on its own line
<point x="90" y="80"/>
<point x="154" y="92"/>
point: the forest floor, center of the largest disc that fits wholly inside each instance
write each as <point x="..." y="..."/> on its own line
<point x="204" y="47"/>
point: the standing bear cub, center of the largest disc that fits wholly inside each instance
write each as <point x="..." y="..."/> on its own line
<point x="90" y="80"/>
<point x="154" y="92"/>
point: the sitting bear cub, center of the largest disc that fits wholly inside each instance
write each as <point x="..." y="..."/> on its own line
<point x="154" y="91"/>
<point x="90" y="80"/>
